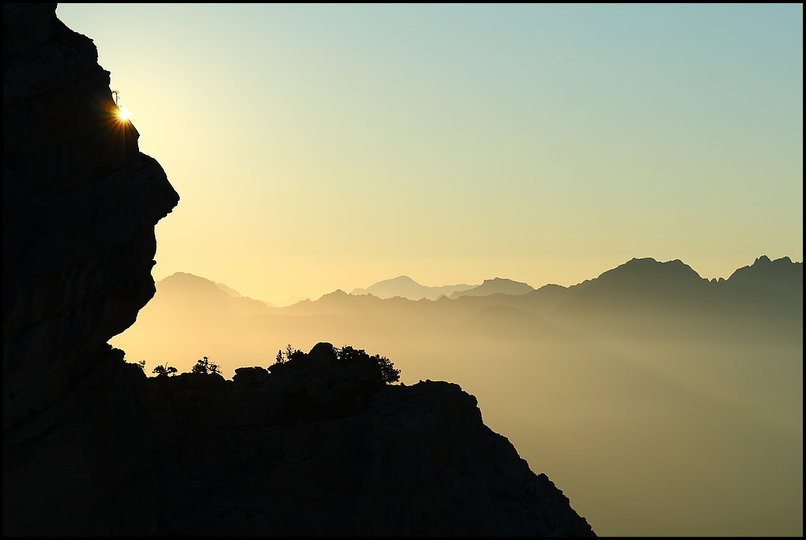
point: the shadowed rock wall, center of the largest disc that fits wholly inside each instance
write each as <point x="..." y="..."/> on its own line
<point x="79" y="207"/>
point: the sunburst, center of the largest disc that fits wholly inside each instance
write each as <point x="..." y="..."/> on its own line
<point x="123" y="113"/>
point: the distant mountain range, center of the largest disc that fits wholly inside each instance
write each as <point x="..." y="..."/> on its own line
<point x="207" y="293"/>
<point x="496" y="286"/>
<point x="630" y="289"/>
<point x="648" y="363"/>
<point x="405" y="287"/>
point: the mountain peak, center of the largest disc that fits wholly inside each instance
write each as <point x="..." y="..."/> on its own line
<point x="338" y="293"/>
<point x="406" y="287"/>
<point x="496" y="285"/>
<point x="182" y="275"/>
<point x="187" y="281"/>
<point x="646" y="274"/>
<point x="767" y="273"/>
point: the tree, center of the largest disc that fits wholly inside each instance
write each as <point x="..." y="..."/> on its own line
<point x="164" y="370"/>
<point x="387" y="370"/>
<point x="204" y="366"/>
<point x="292" y="353"/>
<point x="141" y="364"/>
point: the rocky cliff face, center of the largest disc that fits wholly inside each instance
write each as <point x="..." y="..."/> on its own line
<point x="79" y="207"/>
<point x="93" y="447"/>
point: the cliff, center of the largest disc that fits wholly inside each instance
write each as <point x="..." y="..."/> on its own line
<point x="321" y="447"/>
<point x="93" y="447"/>
<point x="79" y="207"/>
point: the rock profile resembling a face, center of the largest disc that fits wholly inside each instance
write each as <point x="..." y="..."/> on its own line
<point x="92" y="447"/>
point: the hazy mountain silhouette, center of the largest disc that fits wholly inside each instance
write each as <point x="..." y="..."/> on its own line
<point x="195" y="292"/>
<point x="663" y="372"/>
<point x="496" y="286"/>
<point x="767" y="290"/>
<point x="235" y="294"/>
<point x="638" y="281"/>
<point x="232" y="292"/>
<point x="641" y="295"/>
<point x="633" y="287"/>
<point x="406" y="287"/>
<point x="780" y="277"/>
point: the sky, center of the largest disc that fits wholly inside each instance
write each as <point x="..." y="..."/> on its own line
<point x="317" y="147"/>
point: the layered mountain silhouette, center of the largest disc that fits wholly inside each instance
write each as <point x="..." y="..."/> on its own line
<point x="638" y="282"/>
<point x="235" y="294"/>
<point x="781" y="277"/>
<point x="639" y="296"/>
<point x="406" y="287"/>
<point x="207" y="294"/>
<point x="496" y="286"/>
<point x="666" y="373"/>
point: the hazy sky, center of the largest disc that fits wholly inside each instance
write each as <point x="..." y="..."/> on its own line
<point x="317" y="147"/>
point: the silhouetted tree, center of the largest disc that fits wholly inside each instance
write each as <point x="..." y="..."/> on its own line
<point x="141" y="364"/>
<point x="292" y="353"/>
<point x="387" y="370"/>
<point x="164" y="370"/>
<point x="204" y="366"/>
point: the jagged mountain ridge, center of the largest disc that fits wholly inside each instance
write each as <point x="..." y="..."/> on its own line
<point x="642" y="278"/>
<point x="223" y="327"/>
<point x="406" y="287"/>
<point x="638" y="281"/>
<point x="495" y="286"/>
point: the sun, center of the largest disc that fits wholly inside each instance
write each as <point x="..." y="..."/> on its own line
<point x="123" y="113"/>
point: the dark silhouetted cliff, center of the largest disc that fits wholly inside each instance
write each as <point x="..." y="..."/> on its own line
<point x="93" y="447"/>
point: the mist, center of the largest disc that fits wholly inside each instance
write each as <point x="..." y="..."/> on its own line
<point x="662" y="407"/>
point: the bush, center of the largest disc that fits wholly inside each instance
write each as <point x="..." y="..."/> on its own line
<point x="289" y="354"/>
<point x="164" y="370"/>
<point x="387" y="370"/>
<point x="205" y="367"/>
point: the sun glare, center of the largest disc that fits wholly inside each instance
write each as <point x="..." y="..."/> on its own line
<point x="123" y="113"/>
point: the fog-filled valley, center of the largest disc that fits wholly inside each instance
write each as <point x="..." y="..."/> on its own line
<point x="661" y="402"/>
<point x="351" y="270"/>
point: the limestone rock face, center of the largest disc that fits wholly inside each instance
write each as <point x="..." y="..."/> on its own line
<point x="93" y="447"/>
